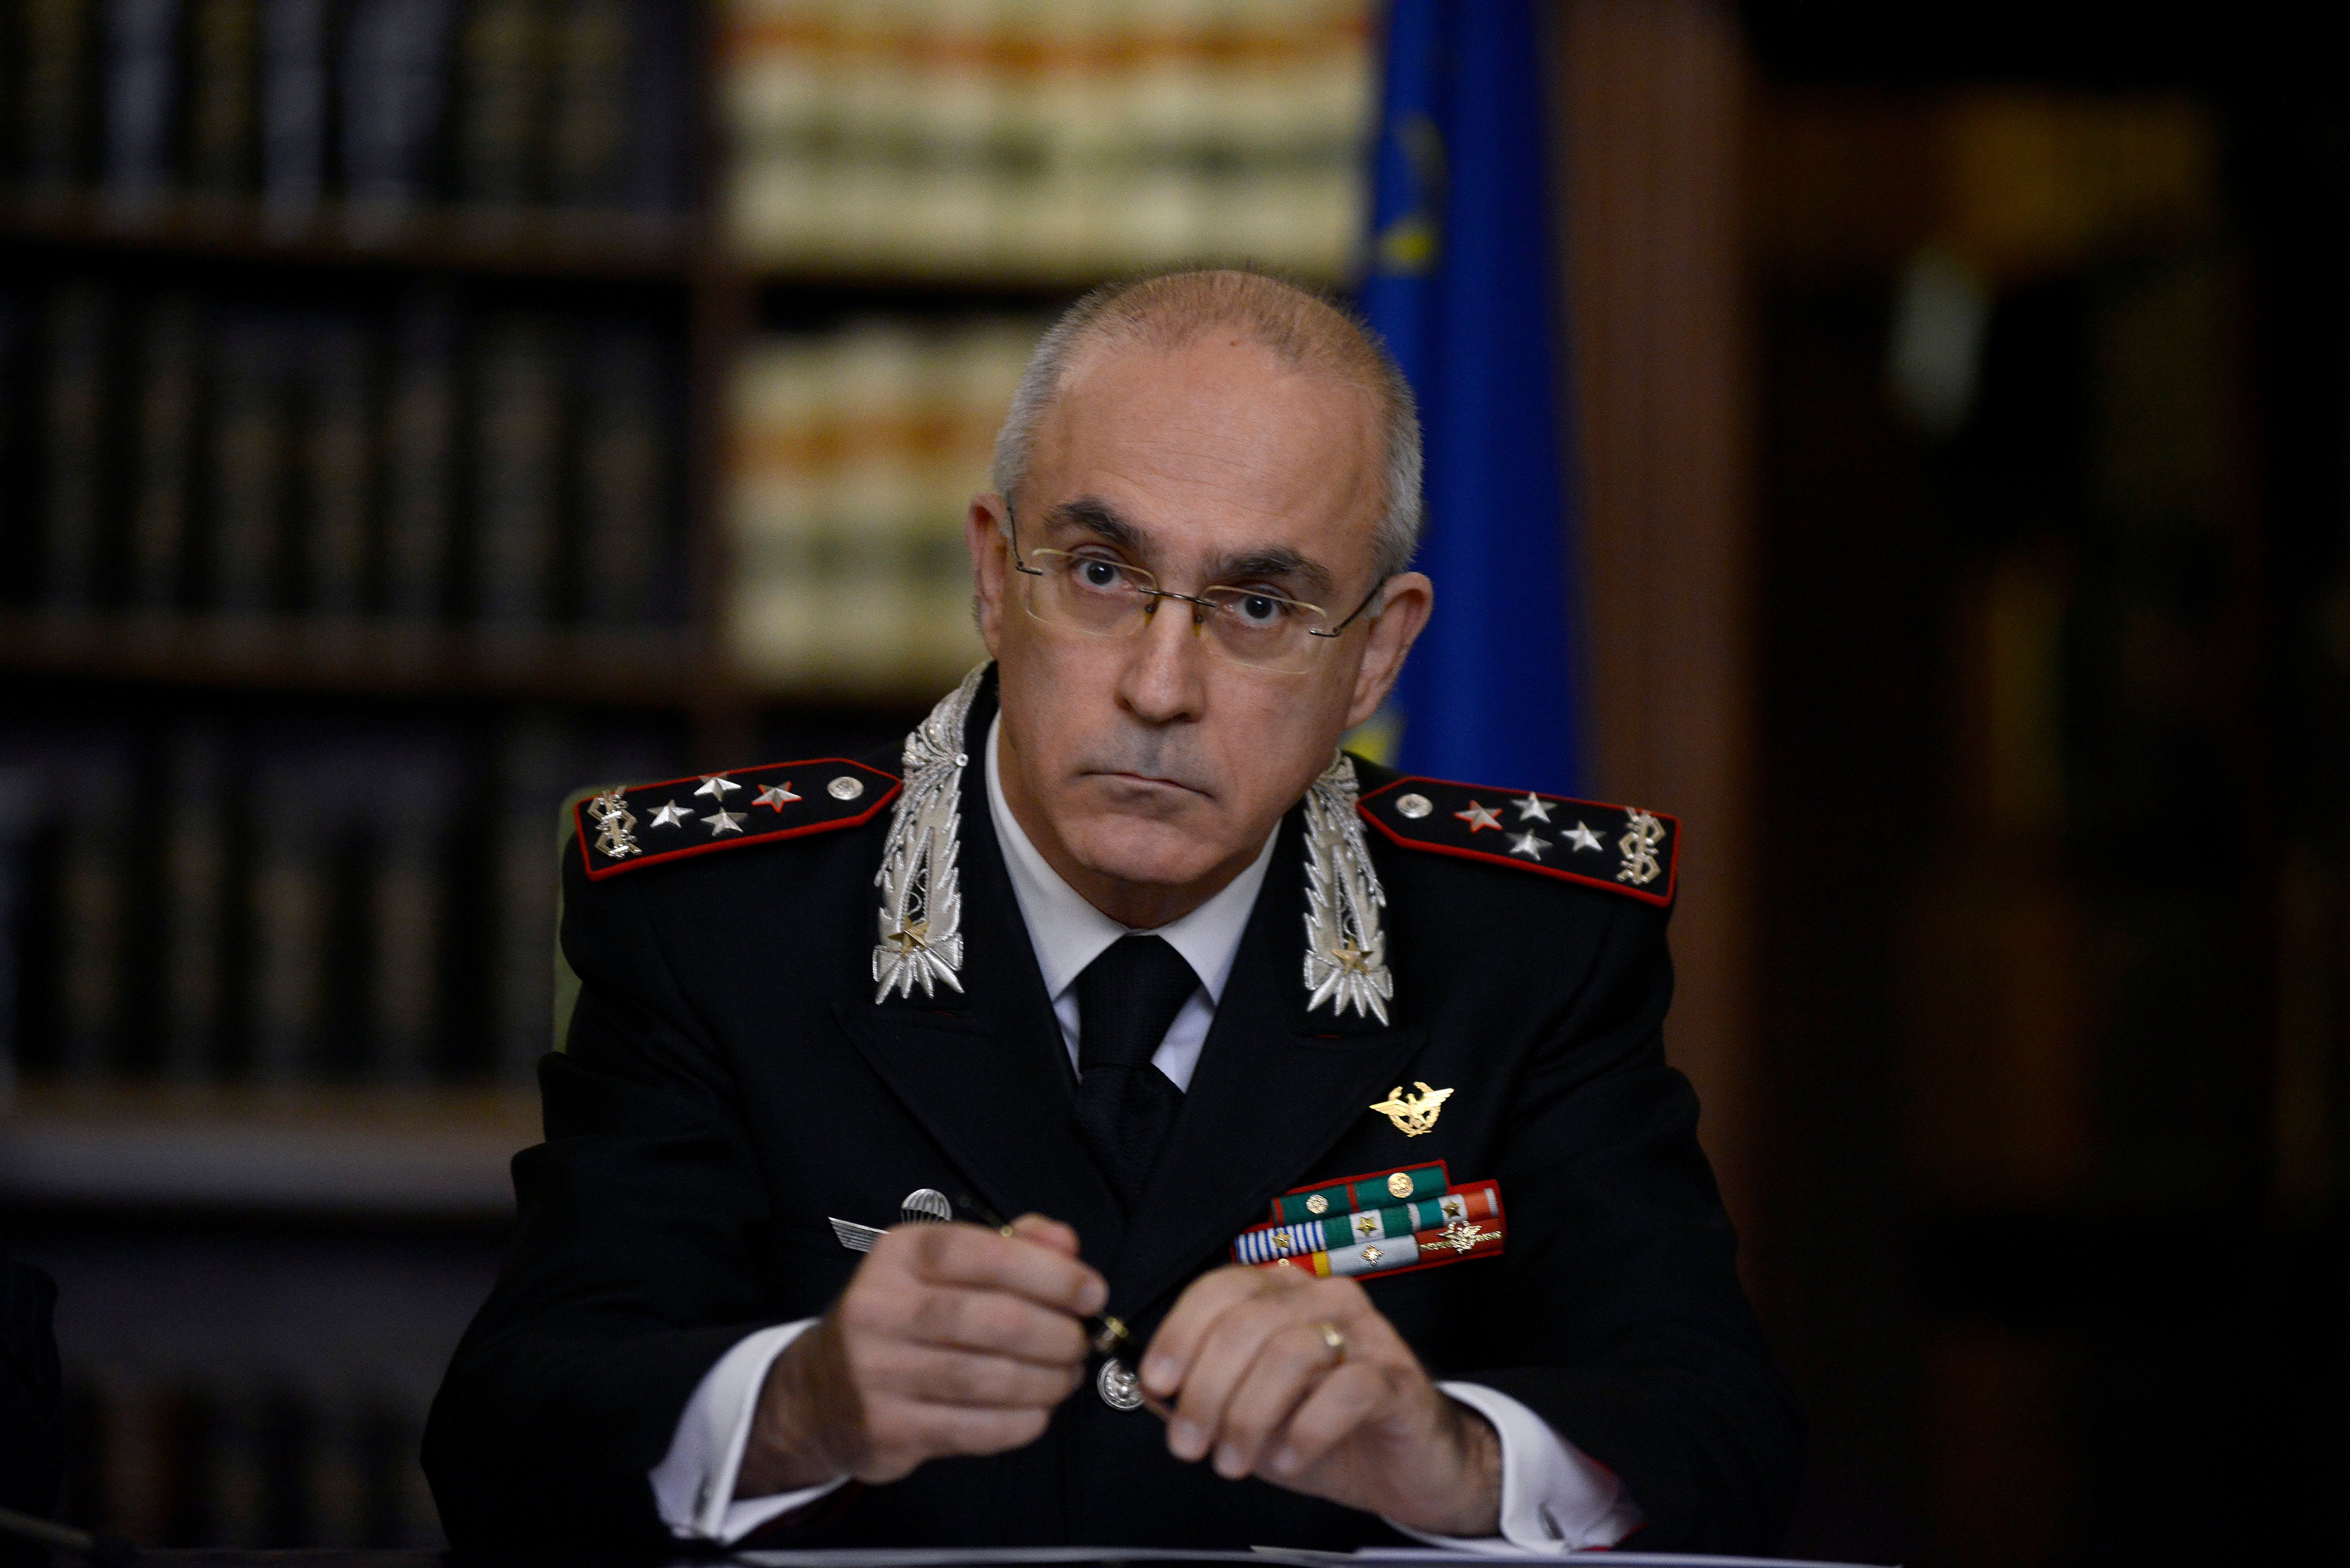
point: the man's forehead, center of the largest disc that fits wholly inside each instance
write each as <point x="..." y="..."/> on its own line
<point x="1220" y="445"/>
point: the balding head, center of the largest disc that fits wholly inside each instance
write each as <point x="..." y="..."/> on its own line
<point x="1307" y="333"/>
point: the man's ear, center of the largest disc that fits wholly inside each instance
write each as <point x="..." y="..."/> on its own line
<point x="986" y="535"/>
<point x="1410" y="599"/>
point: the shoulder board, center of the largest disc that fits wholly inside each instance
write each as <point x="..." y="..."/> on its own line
<point x="1619" y="848"/>
<point x="644" y="824"/>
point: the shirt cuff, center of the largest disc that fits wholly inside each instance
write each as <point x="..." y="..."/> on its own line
<point x="694" y="1486"/>
<point x="1555" y="1498"/>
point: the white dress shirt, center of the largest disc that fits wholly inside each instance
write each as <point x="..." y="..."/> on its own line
<point x="1554" y="1497"/>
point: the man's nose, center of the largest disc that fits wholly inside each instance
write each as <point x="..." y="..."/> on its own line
<point x="1165" y="678"/>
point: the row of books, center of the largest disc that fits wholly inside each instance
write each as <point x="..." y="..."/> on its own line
<point x="219" y="1460"/>
<point x="208" y="904"/>
<point x="856" y="453"/>
<point x="1047" y="138"/>
<point x="377" y="110"/>
<point x="433" y="461"/>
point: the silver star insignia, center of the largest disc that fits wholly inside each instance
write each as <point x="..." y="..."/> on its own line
<point x="1527" y="845"/>
<point x="1582" y="837"/>
<point x="776" y="797"/>
<point x="669" y="814"/>
<point x="1478" y="817"/>
<point x="715" y="786"/>
<point x="1531" y="808"/>
<point x="723" y="821"/>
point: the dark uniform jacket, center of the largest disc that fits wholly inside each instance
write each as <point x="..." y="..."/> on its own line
<point x="728" y="1083"/>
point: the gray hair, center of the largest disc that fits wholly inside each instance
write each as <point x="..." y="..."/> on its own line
<point x="1307" y="331"/>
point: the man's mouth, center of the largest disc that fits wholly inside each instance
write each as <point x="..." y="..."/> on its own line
<point x="1146" y="781"/>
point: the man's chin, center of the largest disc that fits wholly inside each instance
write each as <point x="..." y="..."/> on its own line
<point x="1145" y="851"/>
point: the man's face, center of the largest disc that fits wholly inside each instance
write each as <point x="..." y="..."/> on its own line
<point x="1149" y="769"/>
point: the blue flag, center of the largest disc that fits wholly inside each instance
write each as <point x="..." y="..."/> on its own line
<point x="1460" y="282"/>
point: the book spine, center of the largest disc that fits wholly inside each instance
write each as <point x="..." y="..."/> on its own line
<point x="590" y="44"/>
<point x="501" y="109"/>
<point x="291" y="908"/>
<point x="142" y="80"/>
<point x="517" y="473"/>
<point x="94" y="912"/>
<point x="223" y="93"/>
<point x="624" y="491"/>
<point x="396" y="59"/>
<point x="80" y="318"/>
<point x="408" y="909"/>
<point x="60" y="95"/>
<point x="251" y="462"/>
<point x="295" y="54"/>
<point x="196" y="877"/>
<point x="534" y="768"/>
<point x="163" y="461"/>
<point x="419" y="479"/>
<point x="338" y="468"/>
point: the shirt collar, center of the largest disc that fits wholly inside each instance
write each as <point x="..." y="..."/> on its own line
<point x="1069" y="933"/>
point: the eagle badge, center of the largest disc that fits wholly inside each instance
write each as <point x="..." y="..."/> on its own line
<point x="1413" y="1114"/>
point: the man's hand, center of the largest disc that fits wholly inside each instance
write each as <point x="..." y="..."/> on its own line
<point x="951" y="1339"/>
<point x="1248" y="1362"/>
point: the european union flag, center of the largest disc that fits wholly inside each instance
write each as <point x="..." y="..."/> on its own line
<point x="1460" y="282"/>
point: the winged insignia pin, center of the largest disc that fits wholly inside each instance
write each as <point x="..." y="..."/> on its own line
<point x="1413" y="1114"/>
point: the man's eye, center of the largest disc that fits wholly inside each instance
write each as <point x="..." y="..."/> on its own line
<point x="1259" y="609"/>
<point x="1096" y="572"/>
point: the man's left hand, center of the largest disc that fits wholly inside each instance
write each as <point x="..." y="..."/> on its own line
<point x="1301" y="1382"/>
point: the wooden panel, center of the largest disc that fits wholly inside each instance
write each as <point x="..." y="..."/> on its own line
<point x="1651" y="108"/>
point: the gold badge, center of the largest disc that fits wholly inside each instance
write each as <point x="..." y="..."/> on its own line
<point x="1461" y="1236"/>
<point x="1399" y="1184"/>
<point x="1318" y="1204"/>
<point x="1372" y="1254"/>
<point x="1413" y="1114"/>
<point x="1366" y="1225"/>
<point x="1282" y="1245"/>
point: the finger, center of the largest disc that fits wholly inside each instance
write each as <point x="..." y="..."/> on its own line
<point x="1225" y="1355"/>
<point x="1341" y="1405"/>
<point x="973" y="1380"/>
<point x="971" y="1255"/>
<point x="1167" y="1364"/>
<point x="1290" y="1364"/>
<point x="1044" y="1233"/>
<point x="994" y="1323"/>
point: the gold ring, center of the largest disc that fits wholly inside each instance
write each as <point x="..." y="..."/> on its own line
<point x="1333" y="1339"/>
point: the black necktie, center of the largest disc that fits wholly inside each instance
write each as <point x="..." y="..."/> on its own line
<point x="1127" y="998"/>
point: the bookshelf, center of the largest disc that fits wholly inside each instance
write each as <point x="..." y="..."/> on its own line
<point x="411" y="410"/>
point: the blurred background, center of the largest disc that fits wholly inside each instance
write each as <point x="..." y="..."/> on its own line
<point x="412" y="410"/>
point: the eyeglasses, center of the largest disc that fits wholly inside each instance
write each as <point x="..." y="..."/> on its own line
<point x="1102" y="595"/>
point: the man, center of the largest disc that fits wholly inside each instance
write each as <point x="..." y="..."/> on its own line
<point x="1122" y="945"/>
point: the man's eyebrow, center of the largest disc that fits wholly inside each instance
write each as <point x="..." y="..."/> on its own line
<point x="1100" y="519"/>
<point x="1279" y="563"/>
<point x="1266" y="566"/>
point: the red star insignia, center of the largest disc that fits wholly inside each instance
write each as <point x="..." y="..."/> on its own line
<point x="1478" y="817"/>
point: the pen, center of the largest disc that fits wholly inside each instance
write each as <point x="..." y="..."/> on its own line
<point x="1107" y="1334"/>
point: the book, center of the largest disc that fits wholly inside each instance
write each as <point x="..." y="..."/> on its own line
<point x="77" y="351"/>
<point x="297" y="57"/>
<point x="518" y="471"/>
<point x="90" y="789"/>
<point x="289" y="916"/>
<point x="251" y="464"/>
<point x="502" y="87"/>
<point x="419" y="470"/>
<point x="57" y="133"/>
<point x="170" y="349"/>
<point x="537" y="766"/>
<point x="141" y="101"/>
<point x="223" y="99"/>
<point x="396" y="57"/>
<point x="405" y="798"/>
<point x="337" y="488"/>
<point x="196" y="883"/>
<point x="589" y="49"/>
<point x="625" y="486"/>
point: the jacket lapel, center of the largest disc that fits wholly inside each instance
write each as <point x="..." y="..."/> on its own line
<point x="986" y="1072"/>
<point x="1274" y="1089"/>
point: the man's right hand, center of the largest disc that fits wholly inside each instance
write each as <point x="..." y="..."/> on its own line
<point x="951" y="1339"/>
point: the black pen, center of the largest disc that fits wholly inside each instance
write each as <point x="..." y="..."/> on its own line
<point x="1108" y="1335"/>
